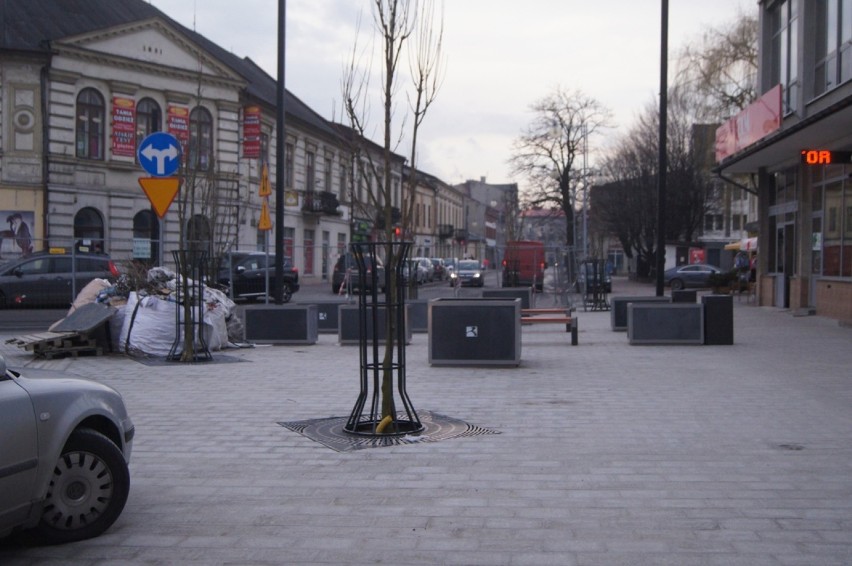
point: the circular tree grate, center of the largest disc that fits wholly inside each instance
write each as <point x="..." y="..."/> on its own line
<point x="330" y="432"/>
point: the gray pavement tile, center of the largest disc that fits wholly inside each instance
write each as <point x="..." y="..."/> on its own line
<point x="607" y="454"/>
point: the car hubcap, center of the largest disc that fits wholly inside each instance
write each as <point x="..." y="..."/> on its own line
<point x="79" y="491"/>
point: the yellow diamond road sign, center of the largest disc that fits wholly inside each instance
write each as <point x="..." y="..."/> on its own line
<point x="265" y="222"/>
<point x="265" y="187"/>
<point x="161" y="191"/>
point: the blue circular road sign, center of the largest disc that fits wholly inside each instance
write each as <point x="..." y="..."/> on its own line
<point x="159" y="154"/>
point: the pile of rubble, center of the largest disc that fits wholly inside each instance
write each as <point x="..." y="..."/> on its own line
<point x="142" y="321"/>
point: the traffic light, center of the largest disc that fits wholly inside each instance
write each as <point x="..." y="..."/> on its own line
<point x="397" y="231"/>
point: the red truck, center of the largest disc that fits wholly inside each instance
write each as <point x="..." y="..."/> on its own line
<point x="523" y="264"/>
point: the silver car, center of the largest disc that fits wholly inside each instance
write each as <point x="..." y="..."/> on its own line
<point x="468" y="272"/>
<point x="65" y="445"/>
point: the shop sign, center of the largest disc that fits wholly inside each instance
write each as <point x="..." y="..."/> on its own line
<point x="123" y="127"/>
<point x="756" y="121"/>
<point x="251" y="132"/>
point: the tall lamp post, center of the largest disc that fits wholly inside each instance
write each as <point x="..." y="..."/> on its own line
<point x="663" y="163"/>
<point x="278" y="289"/>
<point x="585" y="192"/>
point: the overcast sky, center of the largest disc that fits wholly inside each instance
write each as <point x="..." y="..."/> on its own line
<point x="500" y="57"/>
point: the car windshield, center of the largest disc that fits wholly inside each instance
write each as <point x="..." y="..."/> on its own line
<point x="469" y="265"/>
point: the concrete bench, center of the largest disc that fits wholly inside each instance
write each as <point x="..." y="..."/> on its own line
<point x="281" y="324"/>
<point x="618" y="314"/>
<point x="665" y="323"/>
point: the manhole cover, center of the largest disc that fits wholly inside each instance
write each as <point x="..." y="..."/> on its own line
<point x="329" y="432"/>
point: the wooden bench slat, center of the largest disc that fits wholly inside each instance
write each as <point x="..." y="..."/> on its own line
<point x="564" y="310"/>
<point x="569" y="322"/>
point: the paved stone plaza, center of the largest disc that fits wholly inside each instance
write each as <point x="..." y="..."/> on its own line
<point x="606" y="454"/>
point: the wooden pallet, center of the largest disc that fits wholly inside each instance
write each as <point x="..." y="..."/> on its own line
<point x="56" y="344"/>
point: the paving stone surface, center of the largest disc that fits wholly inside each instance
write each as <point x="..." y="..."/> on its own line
<point x="607" y="454"/>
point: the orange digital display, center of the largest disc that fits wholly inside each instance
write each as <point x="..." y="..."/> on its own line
<point x="825" y="157"/>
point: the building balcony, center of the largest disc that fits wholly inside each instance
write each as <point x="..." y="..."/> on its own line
<point x="445" y="231"/>
<point x="321" y="203"/>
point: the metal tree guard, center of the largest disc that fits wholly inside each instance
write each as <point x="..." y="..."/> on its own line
<point x="377" y="362"/>
<point x="191" y="272"/>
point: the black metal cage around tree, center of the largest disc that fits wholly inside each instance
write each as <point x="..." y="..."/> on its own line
<point x="190" y="344"/>
<point x="381" y="345"/>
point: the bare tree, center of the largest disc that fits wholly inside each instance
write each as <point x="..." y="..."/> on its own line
<point x="398" y="23"/>
<point x="721" y="69"/>
<point x="717" y="79"/>
<point x="549" y="153"/>
<point x="207" y="221"/>
<point x="627" y="206"/>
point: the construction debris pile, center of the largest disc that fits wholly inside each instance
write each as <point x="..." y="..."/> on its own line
<point x="142" y="321"/>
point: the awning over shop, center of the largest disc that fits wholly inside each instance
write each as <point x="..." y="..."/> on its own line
<point x="746" y="245"/>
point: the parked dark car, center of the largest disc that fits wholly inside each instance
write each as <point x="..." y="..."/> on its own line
<point x="64" y="449"/>
<point x="249" y="275"/>
<point x="346" y="265"/>
<point x="43" y="279"/>
<point x="468" y="272"/>
<point x="694" y="275"/>
<point x="593" y="278"/>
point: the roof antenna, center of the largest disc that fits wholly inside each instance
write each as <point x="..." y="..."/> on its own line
<point x="194" y="12"/>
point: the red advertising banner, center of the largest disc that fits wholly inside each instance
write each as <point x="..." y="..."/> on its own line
<point x="177" y="124"/>
<point x="756" y="121"/>
<point x="123" y="126"/>
<point x="696" y="255"/>
<point x="251" y="132"/>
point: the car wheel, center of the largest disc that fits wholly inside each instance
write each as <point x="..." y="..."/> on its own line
<point x="677" y="284"/>
<point x="87" y="491"/>
<point x="286" y="293"/>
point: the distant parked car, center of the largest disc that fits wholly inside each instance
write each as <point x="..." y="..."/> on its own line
<point x="694" y="275"/>
<point x="427" y="265"/>
<point x="249" y="275"/>
<point x="468" y="272"/>
<point x="414" y="271"/>
<point x="346" y="265"/>
<point x="450" y="265"/>
<point x="592" y="277"/>
<point x="64" y="449"/>
<point x="43" y="279"/>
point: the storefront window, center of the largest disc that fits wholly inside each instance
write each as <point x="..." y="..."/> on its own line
<point x="816" y="246"/>
<point x="832" y="224"/>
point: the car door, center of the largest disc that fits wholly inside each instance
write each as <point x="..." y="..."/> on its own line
<point x="57" y="287"/>
<point x="250" y="276"/>
<point x="18" y="452"/>
<point x="29" y="283"/>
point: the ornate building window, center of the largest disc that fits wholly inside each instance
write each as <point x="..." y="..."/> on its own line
<point x="200" y="139"/>
<point x="90" y="124"/>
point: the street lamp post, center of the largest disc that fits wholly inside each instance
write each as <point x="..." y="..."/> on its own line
<point x="280" y="163"/>
<point x="585" y="193"/>
<point x="663" y="162"/>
